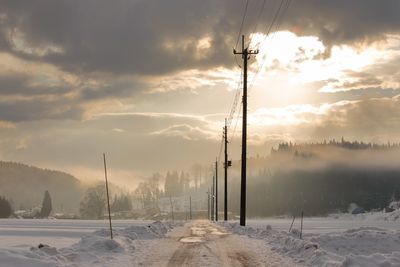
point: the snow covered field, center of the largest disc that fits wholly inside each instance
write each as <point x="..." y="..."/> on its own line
<point x="333" y="223"/>
<point x="337" y="240"/>
<point x="58" y="233"/>
<point x="93" y="249"/>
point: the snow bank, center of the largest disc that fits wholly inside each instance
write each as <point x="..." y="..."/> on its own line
<point x="370" y="216"/>
<point x="95" y="249"/>
<point x="365" y="246"/>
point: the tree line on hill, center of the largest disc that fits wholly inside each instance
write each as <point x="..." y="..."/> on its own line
<point x="319" y="178"/>
<point x="320" y="192"/>
<point x="355" y="145"/>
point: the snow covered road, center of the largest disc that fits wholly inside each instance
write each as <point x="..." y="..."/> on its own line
<point x="202" y="243"/>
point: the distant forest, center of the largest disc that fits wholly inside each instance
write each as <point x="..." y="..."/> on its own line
<point x="289" y="146"/>
<point x="317" y="192"/>
<point x="319" y="178"/>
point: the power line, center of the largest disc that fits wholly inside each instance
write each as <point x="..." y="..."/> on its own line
<point x="259" y="16"/>
<point x="278" y="19"/>
<point x="241" y="25"/>
<point x="235" y="100"/>
<point x="220" y="149"/>
<point x="237" y="120"/>
<point x="275" y="17"/>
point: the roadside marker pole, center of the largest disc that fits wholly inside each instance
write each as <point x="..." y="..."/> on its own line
<point x="108" y="197"/>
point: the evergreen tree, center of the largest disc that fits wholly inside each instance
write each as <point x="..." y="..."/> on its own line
<point x="46" y="205"/>
<point x="5" y="208"/>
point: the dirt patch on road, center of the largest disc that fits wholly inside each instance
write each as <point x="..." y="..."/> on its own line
<point x="182" y="256"/>
<point x="241" y="259"/>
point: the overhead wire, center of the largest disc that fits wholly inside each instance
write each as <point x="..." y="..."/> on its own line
<point x="256" y="23"/>
<point x="237" y="93"/>
<point x="260" y="12"/>
<point x="275" y="24"/>
<point x="241" y="25"/>
<point x="237" y="120"/>
<point x="277" y="20"/>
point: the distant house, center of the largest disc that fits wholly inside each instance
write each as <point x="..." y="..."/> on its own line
<point x="358" y="210"/>
<point x="395" y="205"/>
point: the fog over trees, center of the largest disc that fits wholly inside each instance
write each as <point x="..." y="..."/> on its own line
<point x="317" y="178"/>
<point x="24" y="186"/>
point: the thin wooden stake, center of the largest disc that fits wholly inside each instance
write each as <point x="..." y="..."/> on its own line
<point x="290" y="229"/>
<point x="301" y="227"/>
<point x="108" y="196"/>
<point x="172" y="208"/>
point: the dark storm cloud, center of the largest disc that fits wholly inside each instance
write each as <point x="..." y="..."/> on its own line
<point x="25" y="96"/>
<point x="122" y="36"/>
<point x="132" y="36"/>
<point x="22" y="84"/>
<point x="343" y="21"/>
<point x="38" y="109"/>
<point x="115" y="90"/>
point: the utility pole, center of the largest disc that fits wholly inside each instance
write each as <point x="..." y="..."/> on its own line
<point x="245" y="56"/>
<point x="190" y="207"/>
<point x="226" y="165"/>
<point x="212" y="199"/>
<point x="208" y="204"/>
<point x="172" y="208"/>
<point x="216" y="189"/>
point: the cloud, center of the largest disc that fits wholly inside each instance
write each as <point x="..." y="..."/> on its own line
<point x="158" y="37"/>
<point x="31" y="91"/>
<point x="6" y="125"/>
<point x="187" y="132"/>
<point x="130" y="141"/>
<point x="339" y="22"/>
<point x="118" y="37"/>
<point x="24" y="85"/>
<point x="150" y="81"/>
<point x="358" y="119"/>
<point x="158" y="141"/>
<point x="26" y="110"/>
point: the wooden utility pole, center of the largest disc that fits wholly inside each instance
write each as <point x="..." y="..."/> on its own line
<point x="226" y="165"/>
<point x="172" y="208"/>
<point x="190" y="207"/>
<point x="108" y="196"/>
<point x="212" y="198"/>
<point x="245" y="56"/>
<point x="208" y="204"/>
<point x="216" y="189"/>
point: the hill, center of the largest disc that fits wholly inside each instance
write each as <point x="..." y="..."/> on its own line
<point x="24" y="186"/>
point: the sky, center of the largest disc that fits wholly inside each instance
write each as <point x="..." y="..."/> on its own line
<point x="149" y="82"/>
